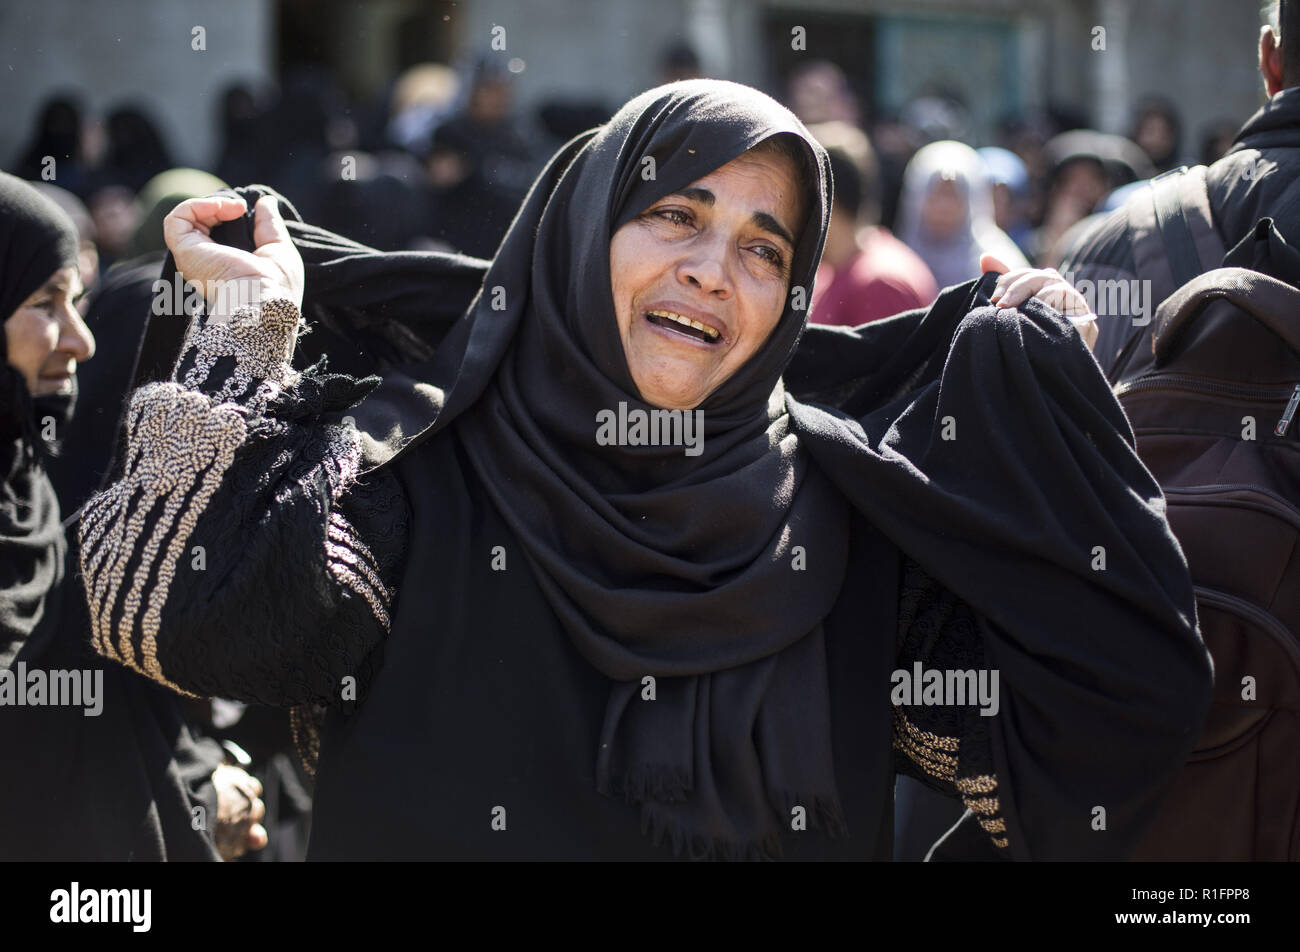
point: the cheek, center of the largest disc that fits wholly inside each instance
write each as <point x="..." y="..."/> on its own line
<point x="633" y="265"/>
<point x="30" y="335"/>
<point x="762" y="317"/>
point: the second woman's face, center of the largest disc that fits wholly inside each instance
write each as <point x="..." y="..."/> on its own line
<point x="700" y="277"/>
<point x="46" y="338"/>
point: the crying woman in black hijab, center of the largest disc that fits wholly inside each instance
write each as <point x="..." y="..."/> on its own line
<point x="631" y="642"/>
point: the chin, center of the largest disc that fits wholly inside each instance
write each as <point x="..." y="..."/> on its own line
<point x="683" y="405"/>
<point x="670" y="391"/>
<point x="671" y="399"/>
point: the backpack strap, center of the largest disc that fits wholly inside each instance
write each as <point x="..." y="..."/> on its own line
<point x="1174" y="240"/>
<point x="1175" y="228"/>
<point x="1176" y="212"/>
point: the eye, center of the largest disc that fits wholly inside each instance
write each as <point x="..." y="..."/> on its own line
<point x="674" y="215"/>
<point x="771" y="255"/>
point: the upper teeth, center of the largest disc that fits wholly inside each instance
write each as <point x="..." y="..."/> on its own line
<point x="713" y="335"/>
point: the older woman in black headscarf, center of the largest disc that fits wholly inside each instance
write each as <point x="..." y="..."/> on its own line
<point x="98" y="764"/>
<point x="618" y="561"/>
<point x="43" y="340"/>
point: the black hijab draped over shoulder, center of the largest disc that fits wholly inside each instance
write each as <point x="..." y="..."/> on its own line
<point x="984" y="443"/>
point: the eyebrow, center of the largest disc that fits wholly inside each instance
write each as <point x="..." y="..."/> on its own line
<point x="59" y="287"/>
<point x="763" y="220"/>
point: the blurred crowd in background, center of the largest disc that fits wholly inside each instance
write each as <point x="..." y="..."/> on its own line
<point x="443" y="158"/>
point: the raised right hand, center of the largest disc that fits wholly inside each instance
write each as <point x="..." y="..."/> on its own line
<point x="273" y="270"/>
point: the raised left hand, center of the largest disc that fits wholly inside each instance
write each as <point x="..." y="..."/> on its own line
<point x="1016" y="287"/>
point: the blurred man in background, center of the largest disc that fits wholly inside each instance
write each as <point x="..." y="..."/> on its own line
<point x="866" y="273"/>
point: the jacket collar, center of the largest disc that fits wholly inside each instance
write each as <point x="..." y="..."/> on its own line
<point x="1278" y="120"/>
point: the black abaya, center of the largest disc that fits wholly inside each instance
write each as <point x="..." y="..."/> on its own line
<point x="483" y="702"/>
<point x="473" y="698"/>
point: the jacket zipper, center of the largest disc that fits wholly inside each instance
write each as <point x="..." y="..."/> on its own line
<point x="1191" y="384"/>
<point x="1288" y="413"/>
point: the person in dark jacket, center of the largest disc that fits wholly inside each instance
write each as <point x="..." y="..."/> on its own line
<point x="1259" y="177"/>
<point x="536" y="632"/>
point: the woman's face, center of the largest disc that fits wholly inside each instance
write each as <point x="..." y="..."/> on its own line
<point x="718" y="253"/>
<point x="46" y="337"/>
<point x="945" y="210"/>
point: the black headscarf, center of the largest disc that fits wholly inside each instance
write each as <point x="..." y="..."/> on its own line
<point x="678" y="568"/>
<point x="36" y="239"/>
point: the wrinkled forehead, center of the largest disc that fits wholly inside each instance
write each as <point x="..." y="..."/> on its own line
<point x="675" y="135"/>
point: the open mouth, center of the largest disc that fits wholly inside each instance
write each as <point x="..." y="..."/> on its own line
<point x="684" y="326"/>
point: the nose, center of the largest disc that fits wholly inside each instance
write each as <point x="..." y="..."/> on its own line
<point x="708" y="268"/>
<point x="75" y="337"/>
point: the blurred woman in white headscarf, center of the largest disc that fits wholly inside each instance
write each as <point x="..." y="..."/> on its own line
<point x="946" y="213"/>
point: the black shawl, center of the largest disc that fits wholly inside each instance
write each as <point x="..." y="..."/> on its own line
<point x="983" y="442"/>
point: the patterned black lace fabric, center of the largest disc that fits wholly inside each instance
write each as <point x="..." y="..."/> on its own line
<point x="229" y="558"/>
<point x="945" y="746"/>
